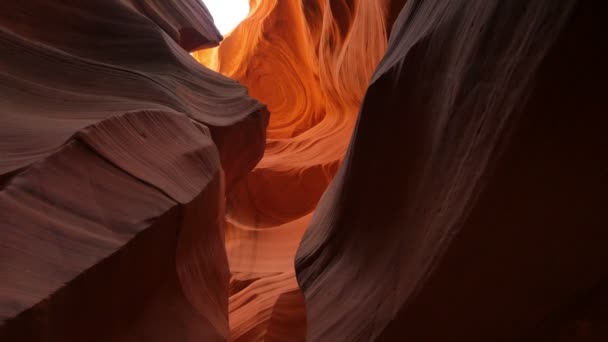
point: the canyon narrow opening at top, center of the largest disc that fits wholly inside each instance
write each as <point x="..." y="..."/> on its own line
<point x="227" y="14"/>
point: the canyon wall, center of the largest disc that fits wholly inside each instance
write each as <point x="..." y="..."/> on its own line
<point x="335" y="170"/>
<point x="310" y="62"/>
<point x="116" y="150"/>
<point x="469" y="206"/>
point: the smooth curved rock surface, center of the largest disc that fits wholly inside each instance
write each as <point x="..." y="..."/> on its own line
<point x="469" y="206"/>
<point x="113" y="137"/>
<point x="136" y="205"/>
<point x="168" y="283"/>
<point x="304" y="60"/>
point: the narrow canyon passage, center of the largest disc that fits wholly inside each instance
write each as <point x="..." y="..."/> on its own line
<point x="303" y="170"/>
<point x="311" y="66"/>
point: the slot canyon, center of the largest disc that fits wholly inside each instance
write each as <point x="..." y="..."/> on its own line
<point x="303" y="170"/>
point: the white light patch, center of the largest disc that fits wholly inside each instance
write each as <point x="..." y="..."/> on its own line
<point x="227" y="14"/>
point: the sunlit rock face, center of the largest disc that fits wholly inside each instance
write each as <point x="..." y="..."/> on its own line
<point x="391" y="170"/>
<point x="310" y="63"/>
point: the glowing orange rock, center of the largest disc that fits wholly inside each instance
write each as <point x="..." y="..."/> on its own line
<point x="304" y="61"/>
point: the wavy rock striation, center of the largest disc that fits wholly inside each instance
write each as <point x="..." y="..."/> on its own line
<point x="116" y="150"/>
<point x="144" y="197"/>
<point x="310" y="62"/>
<point x="469" y="205"/>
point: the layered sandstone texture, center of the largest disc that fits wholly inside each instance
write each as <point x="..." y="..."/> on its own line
<point x="471" y="202"/>
<point x="116" y="150"/>
<point x="310" y="62"/>
<point x="430" y="170"/>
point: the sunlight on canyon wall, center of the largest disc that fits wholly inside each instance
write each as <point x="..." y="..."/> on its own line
<point x="304" y="61"/>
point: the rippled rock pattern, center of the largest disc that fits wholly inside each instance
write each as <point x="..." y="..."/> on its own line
<point x="310" y="63"/>
<point x="420" y="170"/>
<point x="116" y="150"/>
<point x="470" y="205"/>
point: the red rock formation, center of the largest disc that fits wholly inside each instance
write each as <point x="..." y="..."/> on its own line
<point x="470" y="204"/>
<point x="111" y="135"/>
<point x="303" y="59"/>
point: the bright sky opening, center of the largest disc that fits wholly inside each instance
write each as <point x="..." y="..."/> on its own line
<point x="227" y="14"/>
